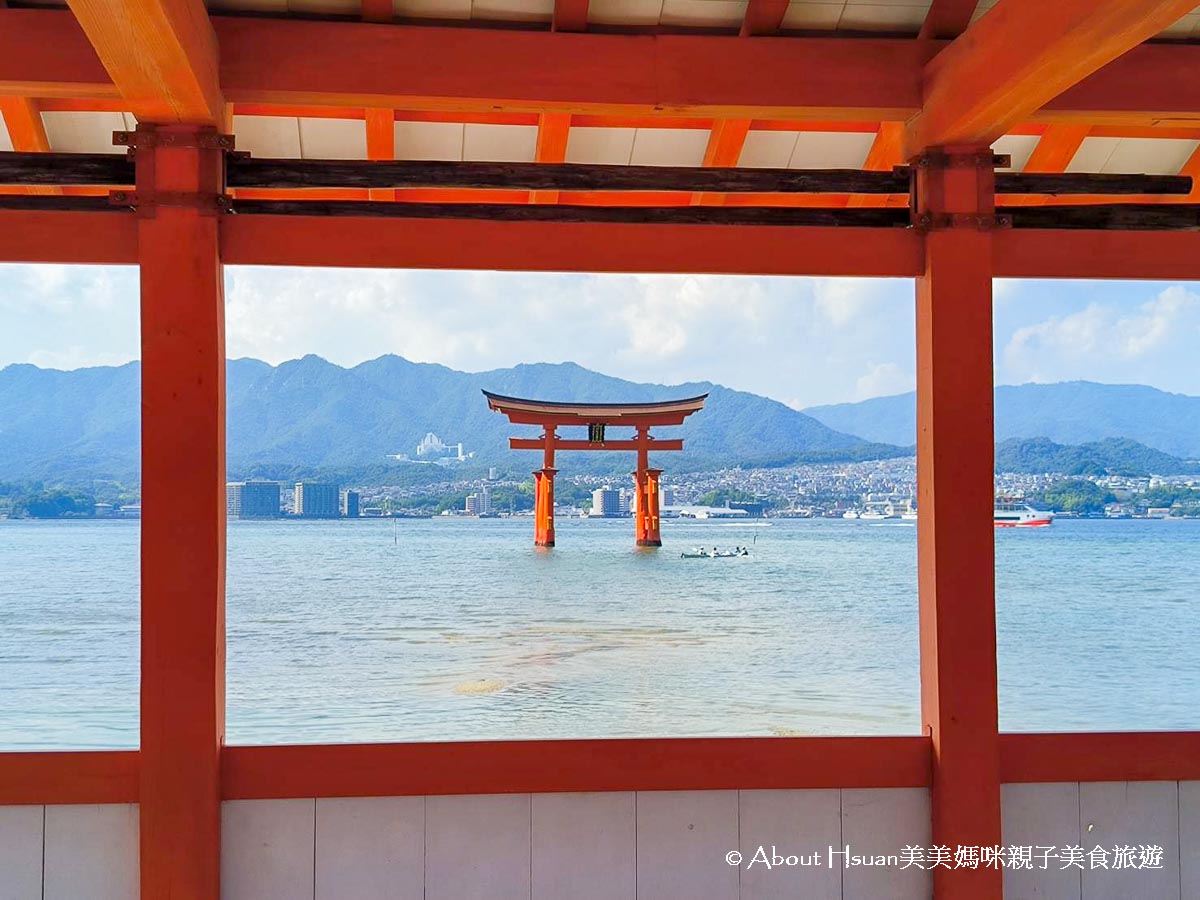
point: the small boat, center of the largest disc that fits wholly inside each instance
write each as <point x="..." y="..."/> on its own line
<point x="701" y="553"/>
<point x="850" y="514"/>
<point x="1012" y="512"/>
<point x="873" y="515"/>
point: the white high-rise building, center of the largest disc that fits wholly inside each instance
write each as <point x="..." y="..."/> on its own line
<point x="606" y="502"/>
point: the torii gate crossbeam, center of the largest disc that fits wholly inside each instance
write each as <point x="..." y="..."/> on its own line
<point x="596" y="416"/>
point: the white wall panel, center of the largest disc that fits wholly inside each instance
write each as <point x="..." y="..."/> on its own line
<point x="1189" y="838"/>
<point x="1131" y="813"/>
<point x="584" y="846"/>
<point x="370" y="848"/>
<point x="882" y="822"/>
<point x="267" y="849"/>
<point x="21" y="852"/>
<point x="790" y="823"/>
<point x="477" y="847"/>
<point x="1045" y="815"/>
<point x="91" y="852"/>
<point x="682" y="840"/>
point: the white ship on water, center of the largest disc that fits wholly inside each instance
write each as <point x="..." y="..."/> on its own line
<point x="1014" y="513"/>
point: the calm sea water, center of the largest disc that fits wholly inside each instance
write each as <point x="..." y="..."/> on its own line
<point x="459" y="630"/>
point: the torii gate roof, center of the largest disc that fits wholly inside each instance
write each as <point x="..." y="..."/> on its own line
<point x="523" y="411"/>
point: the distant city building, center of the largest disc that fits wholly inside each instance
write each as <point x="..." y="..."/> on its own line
<point x="491" y="473"/>
<point x="479" y="504"/>
<point x="316" y="499"/>
<point x="252" y="499"/>
<point x="666" y="497"/>
<point x="350" y="504"/>
<point x="103" y="510"/>
<point x="606" y="502"/>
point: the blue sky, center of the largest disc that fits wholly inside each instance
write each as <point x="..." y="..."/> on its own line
<point x="803" y="341"/>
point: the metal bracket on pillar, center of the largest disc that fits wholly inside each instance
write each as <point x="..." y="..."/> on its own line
<point x="143" y="204"/>
<point x="983" y="160"/>
<point x="926" y="222"/>
<point x="938" y="164"/>
<point x="198" y="140"/>
<point x="149" y="139"/>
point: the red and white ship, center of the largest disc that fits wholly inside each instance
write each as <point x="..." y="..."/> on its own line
<point x="1013" y="513"/>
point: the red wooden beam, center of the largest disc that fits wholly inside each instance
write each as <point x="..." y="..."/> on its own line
<point x="378" y="11"/>
<point x="1053" y="153"/>
<point x="27" y="134"/>
<point x="559" y="444"/>
<point x="381" y="143"/>
<point x="547" y="247"/>
<point x="570" y="15"/>
<point x="947" y="19"/>
<point x="485" y="70"/>
<point x="161" y="55"/>
<point x="955" y="541"/>
<point x="94" y="776"/>
<point x="553" y="131"/>
<point x="1134" y="255"/>
<point x="182" y="557"/>
<point x="375" y="770"/>
<point x="1020" y="56"/>
<point x="725" y="143"/>
<point x="86" y="238"/>
<point x="763" y="17"/>
<point x="887" y="152"/>
<point x="1149" y="756"/>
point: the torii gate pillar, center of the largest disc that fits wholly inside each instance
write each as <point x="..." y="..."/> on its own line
<point x="543" y="507"/>
<point x="647" y="507"/>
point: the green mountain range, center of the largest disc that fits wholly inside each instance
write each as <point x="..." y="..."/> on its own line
<point x="1073" y="412"/>
<point x="1111" y="456"/>
<point x="83" y="424"/>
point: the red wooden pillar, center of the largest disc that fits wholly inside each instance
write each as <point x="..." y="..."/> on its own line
<point x="183" y="511"/>
<point x="648" y="534"/>
<point x="955" y="490"/>
<point x="543" y="495"/>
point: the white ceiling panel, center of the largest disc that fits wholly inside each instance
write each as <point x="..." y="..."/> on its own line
<point x="5" y="140"/>
<point x="803" y="15"/>
<point x="513" y="10"/>
<point x="669" y="146"/>
<point x="884" y="16"/>
<point x="767" y="149"/>
<point x="333" y="138"/>
<point x="1150" y="156"/>
<point x="275" y="6"/>
<point x="625" y="12"/>
<point x="600" y="146"/>
<point x="268" y="136"/>
<point x="1092" y="154"/>
<point x="1019" y="147"/>
<point x="1187" y="27"/>
<point x="499" y="143"/>
<point x="84" y="132"/>
<point x="432" y="9"/>
<point x="703" y="13"/>
<point x="831" y="150"/>
<point x="326" y="7"/>
<point x="429" y="140"/>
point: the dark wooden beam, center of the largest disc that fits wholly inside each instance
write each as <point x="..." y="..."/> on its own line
<point x="644" y="215"/>
<point x="66" y="169"/>
<point x="947" y="19"/>
<point x="310" y="173"/>
<point x="1108" y="217"/>
<point x="1088" y="183"/>
<point x="113" y="170"/>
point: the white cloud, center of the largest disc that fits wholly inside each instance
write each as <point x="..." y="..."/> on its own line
<point x="1101" y="334"/>
<point x="884" y="379"/>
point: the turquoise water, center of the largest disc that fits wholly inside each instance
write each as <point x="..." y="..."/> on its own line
<point x="457" y="629"/>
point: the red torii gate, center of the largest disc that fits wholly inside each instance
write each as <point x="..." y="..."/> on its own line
<point x="550" y="415"/>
